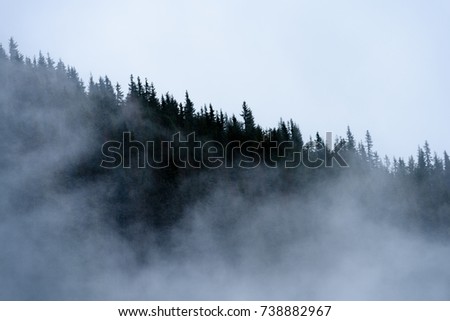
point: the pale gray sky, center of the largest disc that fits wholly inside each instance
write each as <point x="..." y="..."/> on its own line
<point x="376" y="65"/>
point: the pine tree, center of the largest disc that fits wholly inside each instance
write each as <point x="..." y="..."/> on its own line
<point x="92" y="90"/>
<point x="387" y="163"/>
<point x="152" y="97"/>
<point x="14" y="54"/>
<point x="249" y="121"/>
<point x="362" y="152"/>
<point x="50" y="62"/>
<point x="351" y="144"/>
<point x="72" y="74"/>
<point x="446" y="164"/>
<point x="41" y="61"/>
<point x="427" y="155"/>
<point x="438" y="166"/>
<point x="3" y="56"/>
<point x="132" y="90"/>
<point x="421" y="163"/>
<point x="323" y="150"/>
<point x="369" y="146"/>
<point x="402" y="167"/>
<point x="283" y="132"/>
<point x="119" y="95"/>
<point x="140" y="88"/>
<point x="319" y="140"/>
<point x="411" y="166"/>
<point x="28" y="62"/>
<point x="109" y="96"/>
<point x="169" y="110"/>
<point x="60" y="69"/>
<point x="376" y="161"/>
<point x="189" y="113"/>
<point x="234" y="129"/>
<point x="296" y="135"/>
<point x="211" y="115"/>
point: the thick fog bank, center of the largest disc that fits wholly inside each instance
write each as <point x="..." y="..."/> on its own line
<point x="72" y="231"/>
<point x="226" y="247"/>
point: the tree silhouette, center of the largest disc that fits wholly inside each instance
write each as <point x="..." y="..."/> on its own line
<point x="158" y="197"/>
<point x="14" y="54"/>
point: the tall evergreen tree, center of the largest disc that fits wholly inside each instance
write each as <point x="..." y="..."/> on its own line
<point x="351" y="144"/>
<point x="14" y="54"/>
<point x="296" y="135"/>
<point x="427" y="156"/>
<point x="41" y="61"/>
<point x="362" y="152"/>
<point x="50" y="62"/>
<point x="402" y="171"/>
<point x="249" y="121"/>
<point x="152" y="97"/>
<point x="411" y="166"/>
<point x="438" y="166"/>
<point x="283" y="131"/>
<point x="72" y="74"/>
<point x="369" y="146"/>
<point x="140" y="87"/>
<point x="132" y="90"/>
<point x="387" y="163"/>
<point x="446" y="164"/>
<point x="3" y="55"/>
<point x="189" y="113"/>
<point x="234" y="129"/>
<point x="119" y="95"/>
<point x="60" y="69"/>
<point x="421" y="163"/>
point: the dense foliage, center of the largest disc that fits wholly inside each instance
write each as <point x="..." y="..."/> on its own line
<point x="414" y="190"/>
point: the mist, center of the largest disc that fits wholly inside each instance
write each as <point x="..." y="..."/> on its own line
<point x="243" y="235"/>
<point x="226" y="248"/>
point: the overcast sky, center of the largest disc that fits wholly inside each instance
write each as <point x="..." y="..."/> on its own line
<point x="376" y="65"/>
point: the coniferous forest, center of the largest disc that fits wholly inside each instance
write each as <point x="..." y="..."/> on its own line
<point x="128" y="193"/>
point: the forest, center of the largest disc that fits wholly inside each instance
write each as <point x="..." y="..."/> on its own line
<point x="57" y="157"/>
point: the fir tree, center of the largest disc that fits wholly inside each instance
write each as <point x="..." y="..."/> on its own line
<point x="369" y="146"/>
<point x="249" y="121"/>
<point x="14" y="54"/>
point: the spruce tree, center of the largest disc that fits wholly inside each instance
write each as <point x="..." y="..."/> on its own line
<point x="3" y="56"/>
<point x="189" y="113"/>
<point x="446" y="164"/>
<point x="427" y="155"/>
<point x="351" y="144"/>
<point x="369" y="146"/>
<point x="119" y="95"/>
<point x="296" y="135"/>
<point x="14" y="54"/>
<point x="249" y="121"/>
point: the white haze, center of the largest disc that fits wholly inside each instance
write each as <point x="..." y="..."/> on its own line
<point x="327" y="246"/>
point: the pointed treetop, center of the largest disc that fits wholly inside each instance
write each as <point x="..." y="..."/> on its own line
<point x="14" y="54"/>
<point x="3" y="55"/>
<point x="351" y="145"/>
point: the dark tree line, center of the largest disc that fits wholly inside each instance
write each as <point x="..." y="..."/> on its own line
<point x="150" y="198"/>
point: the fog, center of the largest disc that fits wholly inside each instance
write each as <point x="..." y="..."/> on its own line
<point x="251" y="241"/>
<point x="322" y="245"/>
